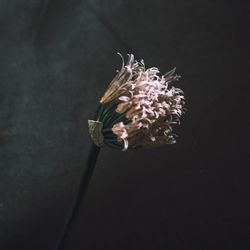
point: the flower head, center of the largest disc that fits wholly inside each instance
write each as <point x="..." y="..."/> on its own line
<point x="139" y="107"/>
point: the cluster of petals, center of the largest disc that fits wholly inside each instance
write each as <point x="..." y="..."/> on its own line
<point x="150" y="102"/>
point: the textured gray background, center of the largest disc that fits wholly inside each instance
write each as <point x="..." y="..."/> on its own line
<point x="57" y="58"/>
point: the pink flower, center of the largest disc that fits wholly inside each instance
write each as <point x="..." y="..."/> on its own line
<point x="144" y="104"/>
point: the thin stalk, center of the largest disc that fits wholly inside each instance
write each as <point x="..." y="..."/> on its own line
<point x="84" y="183"/>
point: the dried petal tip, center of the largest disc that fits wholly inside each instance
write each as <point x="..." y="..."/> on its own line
<point x="140" y="106"/>
<point x="123" y="78"/>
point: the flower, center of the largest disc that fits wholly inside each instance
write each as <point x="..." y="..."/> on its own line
<point x="138" y="108"/>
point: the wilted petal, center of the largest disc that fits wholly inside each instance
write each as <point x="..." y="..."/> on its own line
<point x="122" y="107"/>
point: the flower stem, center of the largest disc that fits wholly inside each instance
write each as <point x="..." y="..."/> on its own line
<point x="84" y="183"/>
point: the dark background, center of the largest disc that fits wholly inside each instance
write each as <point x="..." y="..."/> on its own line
<point x="57" y="57"/>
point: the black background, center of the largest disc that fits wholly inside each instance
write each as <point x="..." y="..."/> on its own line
<point x="57" y="58"/>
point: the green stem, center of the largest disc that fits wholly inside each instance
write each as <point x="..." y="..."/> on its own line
<point x="107" y="109"/>
<point x="86" y="177"/>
